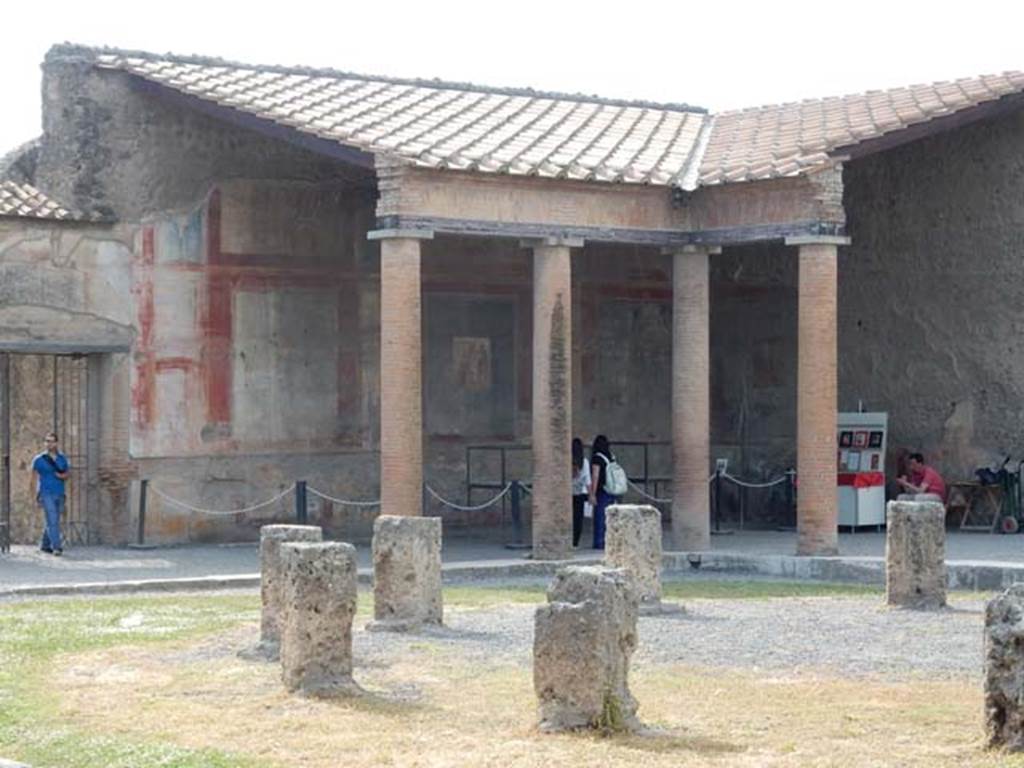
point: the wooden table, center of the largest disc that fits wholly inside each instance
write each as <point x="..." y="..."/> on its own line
<point x="982" y="505"/>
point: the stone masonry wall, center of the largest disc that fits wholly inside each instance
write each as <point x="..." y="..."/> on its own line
<point x="929" y="322"/>
<point x="930" y="297"/>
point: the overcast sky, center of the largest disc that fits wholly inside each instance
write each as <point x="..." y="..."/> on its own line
<point x="717" y="55"/>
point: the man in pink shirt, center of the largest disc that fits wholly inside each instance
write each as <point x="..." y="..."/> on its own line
<point x="924" y="484"/>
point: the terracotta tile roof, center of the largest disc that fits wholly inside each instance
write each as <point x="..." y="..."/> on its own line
<point x="445" y="125"/>
<point x="25" y="201"/>
<point x="523" y="132"/>
<point x="786" y="139"/>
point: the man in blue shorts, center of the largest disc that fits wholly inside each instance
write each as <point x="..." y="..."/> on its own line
<point x="49" y="471"/>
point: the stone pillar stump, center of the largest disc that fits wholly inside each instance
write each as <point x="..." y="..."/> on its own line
<point x="633" y="543"/>
<point x="1004" y="670"/>
<point x="320" y="602"/>
<point x="272" y="579"/>
<point x="406" y="573"/>
<point x="915" y="554"/>
<point x="583" y="640"/>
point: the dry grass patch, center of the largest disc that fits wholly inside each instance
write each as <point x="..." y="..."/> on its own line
<point x="428" y="706"/>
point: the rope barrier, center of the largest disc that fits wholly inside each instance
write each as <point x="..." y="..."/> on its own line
<point x="343" y="502"/>
<point x="202" y="511"/>
<point x="768" y="484"/>
<point x="648" y="496"/>
<point x="475" y="508"/>
<point x="725" y="476"/>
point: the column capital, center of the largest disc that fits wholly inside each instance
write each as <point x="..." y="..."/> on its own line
<point x="710" y="250"/>
<point x="408" y="234"/>
<point x="551" y="242"/>
<point x="818" y="240"/>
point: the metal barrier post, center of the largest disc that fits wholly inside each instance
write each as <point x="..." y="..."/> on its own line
<point x="718" y="499"/>
<point x="301" y="508"/>
<point x="140" y="533"/>
<point x="791" y="492"/>
<point x="516" y="496"/>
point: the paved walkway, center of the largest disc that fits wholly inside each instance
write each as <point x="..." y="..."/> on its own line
<point x="25" y="566"/>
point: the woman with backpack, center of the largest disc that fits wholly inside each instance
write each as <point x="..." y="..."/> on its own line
<point x="605" y="476"/>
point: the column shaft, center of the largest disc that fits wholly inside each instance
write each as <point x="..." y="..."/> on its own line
<point x="401" y="410"/>
<point x="817" y="506"/>
<point x="691" y="402"/>
<point x="552" y="403"/>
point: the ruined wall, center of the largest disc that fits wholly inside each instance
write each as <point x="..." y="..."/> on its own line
<point x="111" y="145"/>
<point x="251" y="299"/>
<point x="930" y="318"/>
<point x="64" y="285"/>
<point x="256" y="355"/>
<point x="64" y="288"/>
<point x="32" y="418"/>
<point x="253" y="335"/>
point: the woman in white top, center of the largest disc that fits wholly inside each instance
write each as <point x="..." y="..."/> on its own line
<point x="580" y="488"/>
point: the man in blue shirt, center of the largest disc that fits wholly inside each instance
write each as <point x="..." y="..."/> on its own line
<point x="49" y="471"/>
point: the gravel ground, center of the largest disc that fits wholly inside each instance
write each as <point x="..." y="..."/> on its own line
<point x="848" y="636"/>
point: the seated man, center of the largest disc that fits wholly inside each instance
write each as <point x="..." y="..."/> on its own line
<point x="925" y="483"/>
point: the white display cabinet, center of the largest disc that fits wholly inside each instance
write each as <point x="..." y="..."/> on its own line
<point x="861" y="439"/>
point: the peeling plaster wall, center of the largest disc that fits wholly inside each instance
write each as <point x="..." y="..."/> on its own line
<point x="248" y="294"/>
<point x="64" y="288"/>
<point x="61" y="283"/>
<point x="249" y="367"/>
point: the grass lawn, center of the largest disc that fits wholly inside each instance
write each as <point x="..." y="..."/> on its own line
<point x="151" y="681"/>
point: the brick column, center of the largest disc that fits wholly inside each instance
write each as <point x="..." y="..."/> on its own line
<point x="552" y="399"/>
<point x="691" y="399"/>
<point x="401" y="406"/>
<point x="817" y="497"/>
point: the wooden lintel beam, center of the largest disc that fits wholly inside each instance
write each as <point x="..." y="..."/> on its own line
<point x="652" y="237"/>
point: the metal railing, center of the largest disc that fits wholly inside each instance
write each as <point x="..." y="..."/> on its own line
<point x="651" y="483"/>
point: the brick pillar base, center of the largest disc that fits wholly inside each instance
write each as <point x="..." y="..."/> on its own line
<point x="691" y="401"/>
<point x="552" y="403"/>
<point x="817" y="496"/>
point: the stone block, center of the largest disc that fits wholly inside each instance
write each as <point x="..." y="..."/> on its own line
<point x="272" y="579"/>
<point x="915" y="554"/>
<point x="406" y="572"/>
<point x="583" y="640"/>
<point x="319" y="594"/>
<point x="633" y="543"/>
<point x="1004" y="670"/>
